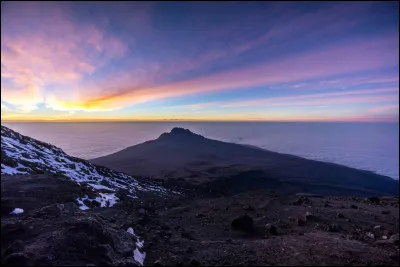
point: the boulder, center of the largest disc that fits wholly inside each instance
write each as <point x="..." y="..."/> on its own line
<point x="243" y="223"/>
<point x="300" y="222"/>
<point x="340" y="216"/>
<point x="310" y="217"/>
<point x="270" y="228"/>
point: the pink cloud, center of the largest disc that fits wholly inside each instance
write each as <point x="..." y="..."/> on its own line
<point x="348" y="58"/>
<point x="388" y="93"/>
<point x="62" y="52"/>
<point x="385" y="109"/>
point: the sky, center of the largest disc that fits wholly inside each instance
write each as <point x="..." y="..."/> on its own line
<point x="256" y="61"/>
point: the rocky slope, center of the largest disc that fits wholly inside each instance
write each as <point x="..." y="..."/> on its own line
<point x="24" y="155"/>
<point x="46" y="186"/>
<point x="185" y="157"/>
<point x="52" y="230"/>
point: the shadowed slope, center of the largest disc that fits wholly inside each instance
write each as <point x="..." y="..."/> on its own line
<point x="193" y="158"/>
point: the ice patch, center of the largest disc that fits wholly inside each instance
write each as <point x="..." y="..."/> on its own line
<point x="10" y="170"/>
<point x="82" y="205"/>
<point x="17" y="211"/>
<point x="104" y="198"/>
<point x="130" y="230"/>
<point x="99" y="186"/>
<point x="139" y="256"/>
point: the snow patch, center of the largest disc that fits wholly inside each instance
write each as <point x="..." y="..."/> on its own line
<point x="105" y="198"/>
<point x="10" y="170"/>
<point x="82" y="205"/>
<point x="138" y="256"/>
<point x="99" y="186"/>
<point x="17" y="211"/>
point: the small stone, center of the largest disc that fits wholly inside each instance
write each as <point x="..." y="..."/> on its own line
<point x="370" y="235"/>
<point x="194" y="262"/>
<point x="166" y="227"/>
<point x="377" y="227"/>
<point x="301" y="201"/>
<point x="310" y="217"/>
<point x="271" y="229"/>
<point x="374" y="200"/>
<point x="142" y="211"/>
<point x="332" y="228"/>
<point x="243" y="223"/>
<point x="384" y="237"/>
<point x="300" y="222"/>
<point x="340" y="215"/>
<point x="248" y="208"/>
<point x="50" y="257"/>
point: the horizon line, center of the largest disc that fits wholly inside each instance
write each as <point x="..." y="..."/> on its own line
<point x="196" y="120"/>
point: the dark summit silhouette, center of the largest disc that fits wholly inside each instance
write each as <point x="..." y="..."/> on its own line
<point x="188" y="158"/>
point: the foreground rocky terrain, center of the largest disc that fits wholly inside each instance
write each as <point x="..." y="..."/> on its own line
<point x="251" y="228"/>
<point x="53" y="217"/>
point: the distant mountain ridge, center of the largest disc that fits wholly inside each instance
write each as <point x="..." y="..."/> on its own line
<point x="181" y="155"/>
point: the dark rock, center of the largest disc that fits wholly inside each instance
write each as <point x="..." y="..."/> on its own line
<point x="302" y="200"/>
<point x="332" y="228"/>
<point x="194" y="262"/>
<point x="374" y="200"/>
<point x="354" y="206"/>
<point x="187" y="235"/>
<point x="166" y="227"/>
<point x="243" y="223"/>
<point x="340" y="215"/>
<point x="248" y="208"/>
<point x="15" y="247"/>
<point x="386" y="212"/>
<point x="271" y="229"/>
<point x="142" y="211"/>
<point x="16" y="259"/>
<point x="200" y="215"/>
<point x="300" y="222"/>
<point x="310" y="217"/>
